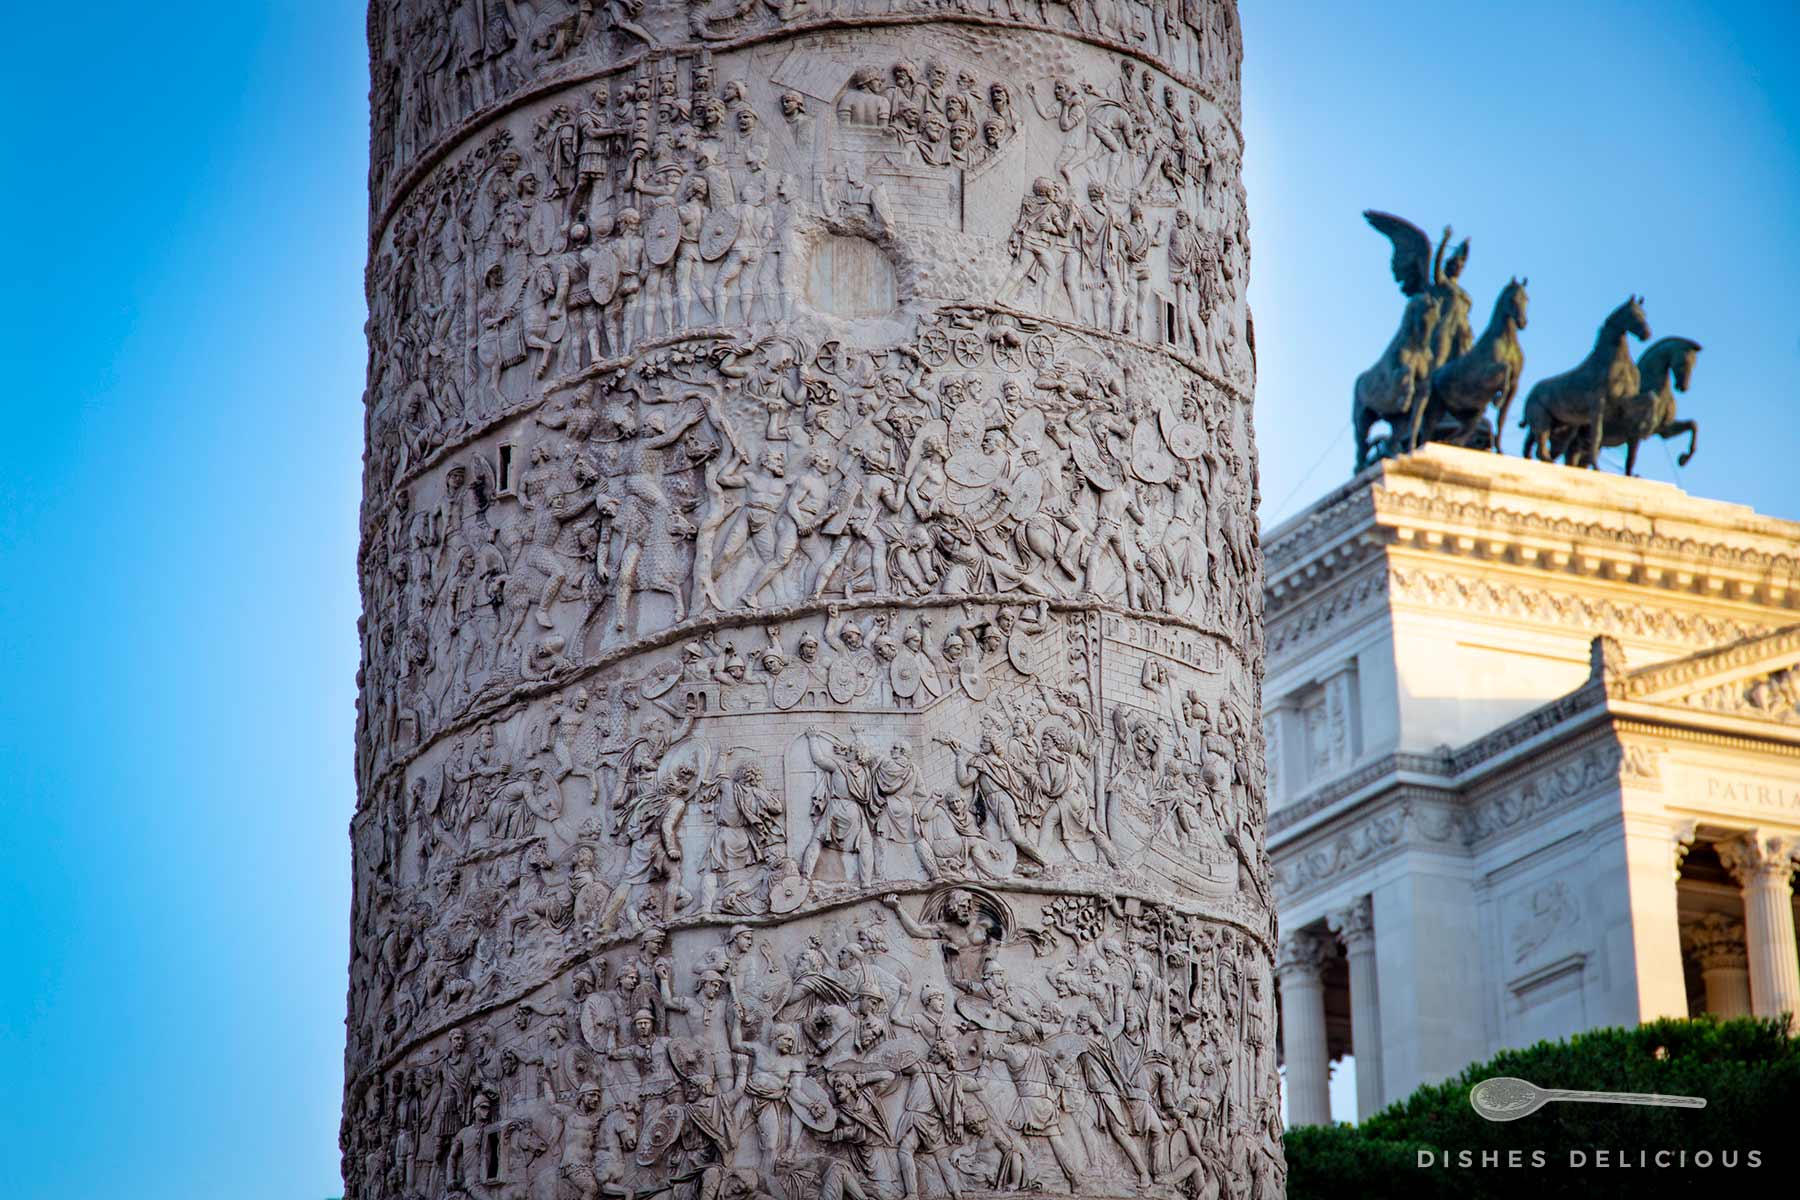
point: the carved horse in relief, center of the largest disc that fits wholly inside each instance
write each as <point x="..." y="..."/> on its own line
<point x="1487" y="374"/>
<point x="1664" y="369"/>
<point x="1562" y="407"/>
<point x="1393" y="390"/>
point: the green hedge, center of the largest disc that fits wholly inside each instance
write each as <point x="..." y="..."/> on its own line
<point x="1748" y="1070"/>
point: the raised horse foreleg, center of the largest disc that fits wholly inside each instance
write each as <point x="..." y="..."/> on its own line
<point x="1676" y="429"/>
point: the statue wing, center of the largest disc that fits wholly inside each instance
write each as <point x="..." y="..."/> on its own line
<point x="1412" y="250"/>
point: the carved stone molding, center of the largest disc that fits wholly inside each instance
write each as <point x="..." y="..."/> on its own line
<point x="1449" y="507"/>
<point x="1591" y="613"/>
<point x="1364" y="839"/>
<point x="1293" y="629"/>
<point x="1548" y="789"/>
<point x="1322" y="798"/>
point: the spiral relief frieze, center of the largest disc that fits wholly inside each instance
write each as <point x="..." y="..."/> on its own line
<point x="808" y="732"/>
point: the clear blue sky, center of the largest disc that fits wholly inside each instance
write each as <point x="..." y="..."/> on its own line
<point x="178" y="508"/>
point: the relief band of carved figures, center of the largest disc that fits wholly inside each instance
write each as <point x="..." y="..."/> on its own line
<point x="438" y="67"/>
<point x="807" y="726"/>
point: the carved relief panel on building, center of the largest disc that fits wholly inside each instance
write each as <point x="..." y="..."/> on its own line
<point x="807" y="727"/>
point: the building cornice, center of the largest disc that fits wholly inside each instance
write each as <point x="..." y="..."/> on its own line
<point x="1636" y="537"/>
<point x="1743" y="659"/>
<point x="1397" y="814"/>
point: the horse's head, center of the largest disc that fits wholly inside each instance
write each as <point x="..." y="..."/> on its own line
<point x="1628" y="318"/>
<point x="1513" y="301"/>
<point x="1683" y="368"/>
<point x="1669" y="360"/>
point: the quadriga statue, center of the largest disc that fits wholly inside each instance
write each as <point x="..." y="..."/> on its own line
<point x="807" y="734"/>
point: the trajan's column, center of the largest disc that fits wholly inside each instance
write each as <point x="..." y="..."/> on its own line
<point x="808" y="736"/>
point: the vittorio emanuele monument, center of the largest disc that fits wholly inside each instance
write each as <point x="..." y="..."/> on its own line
<point x="1533" y="729"/>
<point x="808" y="737"/>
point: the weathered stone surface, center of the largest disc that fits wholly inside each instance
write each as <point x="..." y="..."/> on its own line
<point x="812" y="631"/>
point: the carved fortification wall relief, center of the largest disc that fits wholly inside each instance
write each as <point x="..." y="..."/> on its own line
<point x="807" y="735"/>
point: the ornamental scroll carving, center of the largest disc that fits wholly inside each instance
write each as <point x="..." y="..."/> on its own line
<point x="807" y="736"/>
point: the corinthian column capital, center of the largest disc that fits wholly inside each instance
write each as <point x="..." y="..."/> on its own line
<point x="1355" y="924"/>
<point x="1759" y="857"/>
<point x="1303" y="955"/>
<point x="1716" y="940"/>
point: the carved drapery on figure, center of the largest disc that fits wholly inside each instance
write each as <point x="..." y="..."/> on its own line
<point x="807" y="735"/>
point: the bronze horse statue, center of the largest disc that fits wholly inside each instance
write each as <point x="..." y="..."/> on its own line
<point x="1488" y="373"/>
<point x="1664" y="369"/>
<point x="1393" y="390"/>
<point x="1560" y="408"/>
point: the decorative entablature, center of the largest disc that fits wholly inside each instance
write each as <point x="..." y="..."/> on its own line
<point x="1405" y="807"/>
<point x="1460" y="509"/>
<point x="1545" y="762"/>
<point x="1756" y="678"/>
<point x="1405" y="817"/>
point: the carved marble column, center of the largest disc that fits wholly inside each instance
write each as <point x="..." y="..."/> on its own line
<point x="808" y="734"/>
<point x="1355" y="926"/>
<point x="1301" y="966"/>
<point x="1717" y="944"/>
<point x="1763" y="865"/>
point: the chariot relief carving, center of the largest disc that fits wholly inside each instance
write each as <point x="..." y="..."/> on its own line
<point x="808" y="718"/>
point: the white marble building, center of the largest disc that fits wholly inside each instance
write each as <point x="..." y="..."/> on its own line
<point x="1534" y="750"/>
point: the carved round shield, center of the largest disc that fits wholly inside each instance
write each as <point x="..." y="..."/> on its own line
<point x="971" y="468"/>
<point x="1150" y="459"/>
<point x="662" y="235"/>
<point x="974" y="679"/>
<point x="1186" y="439"/>
<point x="788" y="688"/>
<point x="850" y="676"/>
<point x="1025" y="495"/>
<point x="660" y="682"/>
<point x="966" y="426"/>
<point x="807" y="1095"/>
<point x="787" y="894"/>
<point x="983" y="1014"/>
<point x="660" y="1133"/>
<point x="546" y="804"/>
<point x="718" y="232"/>
<point x="689" y="1058"/>
<point x="603" y="274"/>
<point x="1026" y="651"/>
<point x="1087" y="456"/>
<point x="905" y="673"/>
